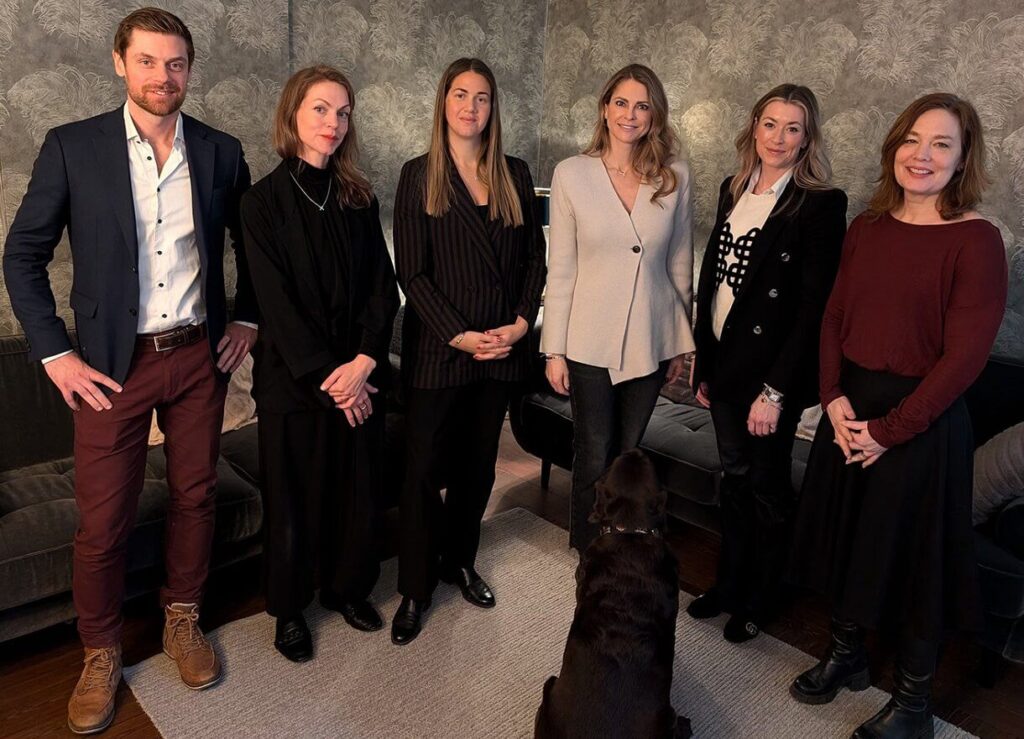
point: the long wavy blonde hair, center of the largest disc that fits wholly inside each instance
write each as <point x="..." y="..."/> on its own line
<point x="492" y="169"/>
<point x="656" y="150"/>
<point x="812" y="170"/>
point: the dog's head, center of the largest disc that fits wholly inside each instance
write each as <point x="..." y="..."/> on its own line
<point x="628" y="495"/>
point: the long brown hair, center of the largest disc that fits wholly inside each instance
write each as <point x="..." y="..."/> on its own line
<point x="354" y="189"/>
<point x="492" y="169"/>
<point x="812" y="170"/>
<point x="963" y="191"/>
<point x="653" y="153"/>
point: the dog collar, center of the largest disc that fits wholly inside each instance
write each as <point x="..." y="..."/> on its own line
<point x="609" y="530"/>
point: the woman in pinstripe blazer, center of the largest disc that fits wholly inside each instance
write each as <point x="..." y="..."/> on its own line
<point x="469" y="251"/>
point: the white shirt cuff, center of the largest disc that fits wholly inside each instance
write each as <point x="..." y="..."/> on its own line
<point x="253" y="326"/>
<point x="56" y="356"/>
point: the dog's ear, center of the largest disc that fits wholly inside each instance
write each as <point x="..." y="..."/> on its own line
<point x="601" y="497"/>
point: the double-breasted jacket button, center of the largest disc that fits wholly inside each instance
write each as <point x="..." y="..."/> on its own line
<point x="773" y="293"/>
<point x="636" y="249"/>
<point x="784" y="256"/>
<point x="758" y="330"/>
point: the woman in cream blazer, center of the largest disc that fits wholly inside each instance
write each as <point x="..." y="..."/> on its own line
<point x="620" y="269"/>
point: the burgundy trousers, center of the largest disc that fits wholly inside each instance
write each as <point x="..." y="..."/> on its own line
<point x="110" y="461"/>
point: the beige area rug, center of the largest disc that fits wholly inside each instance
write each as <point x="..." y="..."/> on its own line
<point x="476" y="673"/>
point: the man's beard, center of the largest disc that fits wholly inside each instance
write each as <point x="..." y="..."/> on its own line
<point x="157" y="105"/>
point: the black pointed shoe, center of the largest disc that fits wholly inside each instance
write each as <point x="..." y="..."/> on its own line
<point x="845" y="666"/>
<point x="741" y="627"/>
<point x="408" y="620"/>
<point x="708" y="605"/>
<point x="293" y="640"/>
<point x="473" y="587"/>
<point x="359" y="614"/>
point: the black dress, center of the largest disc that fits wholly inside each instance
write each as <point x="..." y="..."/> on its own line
<point x="907" y="329"/>
<point x="326" y="292"/>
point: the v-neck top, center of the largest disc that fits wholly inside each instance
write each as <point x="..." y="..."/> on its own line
<point x="620" y="284"/>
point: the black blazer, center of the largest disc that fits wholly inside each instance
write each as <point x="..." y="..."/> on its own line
<point x="81" y="181"/>
<point x="299" y="343"/>
<point x="772" y="332"/>
<point x="460" y="274"/>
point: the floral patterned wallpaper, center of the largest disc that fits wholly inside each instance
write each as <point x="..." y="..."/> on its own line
<point x="55" y="67"/>
<point x="865" y="60"/>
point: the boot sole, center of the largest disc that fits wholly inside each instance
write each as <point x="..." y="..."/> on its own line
<point x="92" y="729"/>
<point x="202" y="686"/>
<point x="855" y="683"/>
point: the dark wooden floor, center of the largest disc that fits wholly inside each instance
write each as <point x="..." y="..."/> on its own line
<point x="38" y="672"/>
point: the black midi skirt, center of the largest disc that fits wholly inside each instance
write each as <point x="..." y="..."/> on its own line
<point x="891" y="544"/>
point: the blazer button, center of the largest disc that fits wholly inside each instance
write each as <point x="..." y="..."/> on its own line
<point x="758" y="330"/>
<point x="773" y="293"/>
<point x="135" y="269"/>
<point x="133" y="311"/>
<point x="784" y="256"/>
<point x="636" y="249"/>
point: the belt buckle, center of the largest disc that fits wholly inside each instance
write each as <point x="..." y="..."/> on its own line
<point x="173" y="340"/>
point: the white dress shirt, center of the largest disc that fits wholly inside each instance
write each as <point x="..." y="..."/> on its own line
<point x="169" y="282"/>
<point x="736" y="244"/>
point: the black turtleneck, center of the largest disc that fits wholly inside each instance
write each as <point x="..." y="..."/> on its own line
<point x="327" y="235"/>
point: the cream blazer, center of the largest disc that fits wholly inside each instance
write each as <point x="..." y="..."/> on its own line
<point x="620" y="285"/>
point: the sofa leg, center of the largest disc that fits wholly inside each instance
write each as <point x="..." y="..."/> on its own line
<point x="990" y="668"/>
<point x="545" y="473"/>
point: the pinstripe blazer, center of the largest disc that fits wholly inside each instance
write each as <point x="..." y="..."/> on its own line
<point x="461" y="274"/>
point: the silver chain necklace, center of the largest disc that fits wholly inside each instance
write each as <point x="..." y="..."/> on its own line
<point x="319" y="206"/>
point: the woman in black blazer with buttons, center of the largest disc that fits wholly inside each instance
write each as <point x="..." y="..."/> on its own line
<point x="327" y="298"/>
<point x="766" y="275"/>
<point x="469" y="251"/>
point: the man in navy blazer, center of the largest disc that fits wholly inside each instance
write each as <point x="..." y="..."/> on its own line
<point x="145" y="194"/>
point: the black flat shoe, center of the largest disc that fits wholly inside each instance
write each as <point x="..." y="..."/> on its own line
<point x="408" y="620"/>
<point x="740" y="628"/>
<point x="360" y="615"/>
<point x="708" y="605"/>
<point x="293" y="640"/>
<point x="473" y="587"/>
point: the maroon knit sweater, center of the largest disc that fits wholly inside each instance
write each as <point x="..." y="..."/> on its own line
<point x="918" y="301"/>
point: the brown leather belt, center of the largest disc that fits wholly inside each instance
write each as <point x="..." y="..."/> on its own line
<point x="167" y="340"/>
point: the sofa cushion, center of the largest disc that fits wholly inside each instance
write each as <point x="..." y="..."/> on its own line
<point x="998" y="472"/>
<point x="39" y="517"/>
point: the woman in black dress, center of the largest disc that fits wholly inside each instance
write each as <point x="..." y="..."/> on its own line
<point x="327" y="298"/>
<point x="884" y="526"/>
<point x="470" y="256"/>
<point x="766" y="275"/>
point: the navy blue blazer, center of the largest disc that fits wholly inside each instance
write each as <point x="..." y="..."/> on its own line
<point x="81" y="181"/>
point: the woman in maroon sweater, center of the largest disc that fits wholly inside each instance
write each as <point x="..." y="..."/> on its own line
<point x="884" y="526"/>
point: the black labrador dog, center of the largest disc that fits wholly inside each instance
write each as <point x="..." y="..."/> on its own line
<point x="616" y="673"/>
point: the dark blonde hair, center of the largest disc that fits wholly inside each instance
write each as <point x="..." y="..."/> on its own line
<point x="963" y="191"/>
<point x="811" y="170"/>
<point x="492" y="169"/>
<point x="354" y="189"/>
<point x="653" y="153"/>
<point x="154" y="20"/>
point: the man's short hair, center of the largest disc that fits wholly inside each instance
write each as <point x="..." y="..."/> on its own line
<point x="155" y="20"/>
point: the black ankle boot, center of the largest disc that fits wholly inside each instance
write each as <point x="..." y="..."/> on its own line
<point x="908" y="714"/>
<point x="845" y="665"/>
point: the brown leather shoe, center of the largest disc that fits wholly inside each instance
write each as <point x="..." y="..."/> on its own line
<point x="91" y="708"/>
<point x="185" y="644"/>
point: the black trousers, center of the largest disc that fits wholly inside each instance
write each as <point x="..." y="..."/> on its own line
<point x="757" y="505"/>
<point x="452" y="437"/>
<point x="607" y="420"/>
<point x="320" y="478"/>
